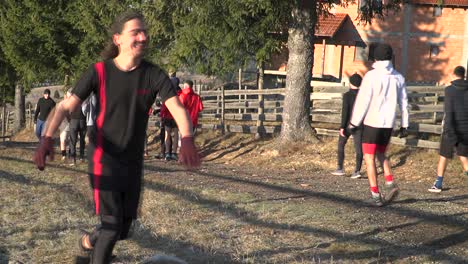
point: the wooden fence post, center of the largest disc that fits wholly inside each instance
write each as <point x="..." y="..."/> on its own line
<point x="3" y="123"/>
<point x="245" y="99"/>
<point x="30" y="116"/>
<point x="260" y="111"/>
<point x="3" y="126"/>
<point x="434" y="117"/>
<point x="223" y="124"/>
<point x="218" y="101"/>
<point x="7" y="120"/>
<point x="240" y="87"/>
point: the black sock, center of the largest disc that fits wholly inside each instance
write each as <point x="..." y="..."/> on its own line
<point x="64" y="153"/>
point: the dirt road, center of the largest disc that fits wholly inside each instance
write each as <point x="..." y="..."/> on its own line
<point x="248" y="203"/>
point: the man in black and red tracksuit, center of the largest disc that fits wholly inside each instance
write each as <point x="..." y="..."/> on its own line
<point x="125" y="86"/>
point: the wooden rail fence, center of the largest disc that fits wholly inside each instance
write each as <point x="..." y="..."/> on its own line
<point x="260" y="111"/>
<point x="240" y="110"/>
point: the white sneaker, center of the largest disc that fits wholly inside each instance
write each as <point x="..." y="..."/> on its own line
<point x="356" y="175"/>
<point x="338" y="172"/>
<point x="434" y="189"/>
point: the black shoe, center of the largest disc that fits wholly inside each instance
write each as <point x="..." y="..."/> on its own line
<point x="82" y="260"/>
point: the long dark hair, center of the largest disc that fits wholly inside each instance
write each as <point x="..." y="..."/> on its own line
<point x="111" y="51"/>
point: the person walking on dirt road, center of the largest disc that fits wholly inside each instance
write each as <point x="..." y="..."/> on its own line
<point x="381" y="90"/>
<point x="455" y="127"/>
<point x="43" y="108"/>
<point x="346" y="111"/>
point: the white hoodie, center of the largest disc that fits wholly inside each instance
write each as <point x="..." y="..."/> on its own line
<point x="381" y="89"/>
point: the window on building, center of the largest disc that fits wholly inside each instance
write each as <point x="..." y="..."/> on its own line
<point x="360" y="53"/>
<point x="366" y="53"/>
<point x="434" y="51"/>
<point x="437" y="11"/>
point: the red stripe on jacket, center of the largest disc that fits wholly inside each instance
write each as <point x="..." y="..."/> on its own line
<point x="98" y="152"/>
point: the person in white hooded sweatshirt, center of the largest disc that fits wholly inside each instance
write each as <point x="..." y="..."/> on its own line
<point x="382" y="89"/>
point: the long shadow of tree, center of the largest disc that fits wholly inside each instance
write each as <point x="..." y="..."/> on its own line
<point x="391" y="251"/>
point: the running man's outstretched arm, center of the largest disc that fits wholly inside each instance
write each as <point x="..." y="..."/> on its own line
<point x="62" y="110"/>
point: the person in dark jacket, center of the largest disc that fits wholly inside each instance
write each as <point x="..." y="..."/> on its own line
<point x="455" y="127"/>
<point x="78" y="127"/>
<point x="43" y="108"/>
<point x="347" y="107"/>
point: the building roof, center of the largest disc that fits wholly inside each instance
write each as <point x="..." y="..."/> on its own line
<point x="444" y="2"/>
<point x="329" y="25"/>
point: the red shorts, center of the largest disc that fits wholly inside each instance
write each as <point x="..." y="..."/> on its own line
<point x="375" y="139"/>
<point x="370" y="148"/>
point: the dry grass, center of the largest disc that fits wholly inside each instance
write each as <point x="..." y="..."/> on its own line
<point x="253" y="201"/>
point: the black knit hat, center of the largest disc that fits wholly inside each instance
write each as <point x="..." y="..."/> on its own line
<point x="383" y="52"/>
<point x="355" y="80"/>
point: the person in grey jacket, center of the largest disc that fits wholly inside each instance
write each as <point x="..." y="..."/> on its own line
<point x="455" y="127"/>
<point x="382" y="89"/>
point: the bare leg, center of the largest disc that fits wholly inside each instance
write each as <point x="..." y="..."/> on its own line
<point x="62" y="145"/>
<point x="464" y="161"/>
<point x="371" y="169"/>
<point x="384" y="163"/>
<point x="441" y="166"/>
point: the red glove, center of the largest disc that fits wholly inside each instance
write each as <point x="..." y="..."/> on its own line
<point x="46" y="147"/>
<point x="188" y="154"/>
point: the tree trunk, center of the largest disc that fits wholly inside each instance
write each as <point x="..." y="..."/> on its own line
<point x="19" y="108"/>
<point x="296" y="112"/>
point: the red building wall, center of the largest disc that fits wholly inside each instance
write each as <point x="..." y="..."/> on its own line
<point x="411" y="43"/>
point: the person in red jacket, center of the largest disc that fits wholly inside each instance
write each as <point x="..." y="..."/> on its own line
<point x="192" y="102"/>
